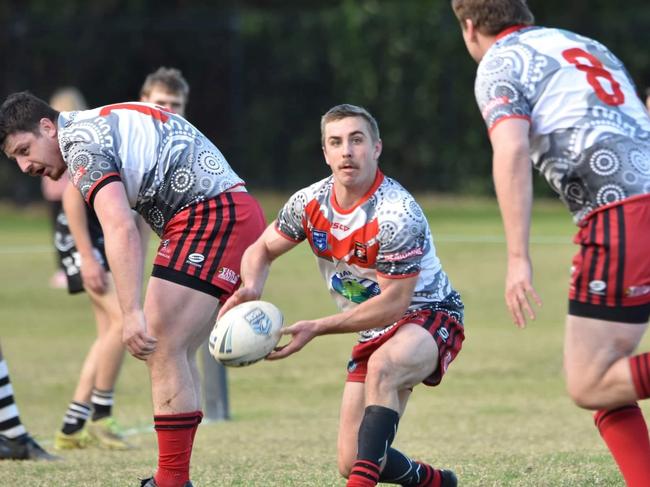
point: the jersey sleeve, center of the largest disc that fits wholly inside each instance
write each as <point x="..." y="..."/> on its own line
<point x="90" y="168"/>
<point x="290" y="218"/>
<point x="499" y="92"/>
<point x="402" y="237"/>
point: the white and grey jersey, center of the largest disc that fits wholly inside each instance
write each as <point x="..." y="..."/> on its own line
<point x="589" y="133"/>
<point x="164" y="162"/>
<point x="385" y="234"/>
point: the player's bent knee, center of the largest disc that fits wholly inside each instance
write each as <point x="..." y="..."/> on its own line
<point x="381" y="373"/>
<point x="583" y="395"/>
<point x="344" y="470"/>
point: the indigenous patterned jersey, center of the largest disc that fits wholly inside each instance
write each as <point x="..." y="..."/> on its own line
<point x="164" y="162"/>
<point x="385" y="233"/>
<point x="590" y="133"/>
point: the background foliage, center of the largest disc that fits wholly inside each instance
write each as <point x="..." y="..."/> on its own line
<point x="262" y="73"/>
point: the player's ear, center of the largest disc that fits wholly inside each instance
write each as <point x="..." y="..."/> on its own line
<point x="378" y="148"/>
<point x="48" y="127"/>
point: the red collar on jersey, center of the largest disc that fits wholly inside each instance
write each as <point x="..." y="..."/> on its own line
<point x="510" y="30"/>
<point x="379" y="177"/>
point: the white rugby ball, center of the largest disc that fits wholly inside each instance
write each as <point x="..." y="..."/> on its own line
<point x="246" y="333"/>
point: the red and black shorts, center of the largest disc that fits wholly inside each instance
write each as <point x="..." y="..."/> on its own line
<point x="445" y="329"/>
<point x="610" y="276"/>
<point x="202" y="245"/>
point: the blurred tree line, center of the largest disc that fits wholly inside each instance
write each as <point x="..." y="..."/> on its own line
<point x="263" y="72"/>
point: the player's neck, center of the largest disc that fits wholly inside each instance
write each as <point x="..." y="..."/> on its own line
<point x="347" y="196"/>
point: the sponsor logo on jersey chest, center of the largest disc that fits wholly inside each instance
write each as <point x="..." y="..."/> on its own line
<point x="361" y="252"/>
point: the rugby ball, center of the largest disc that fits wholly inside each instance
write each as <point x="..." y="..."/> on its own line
<point x="246" y="333"/>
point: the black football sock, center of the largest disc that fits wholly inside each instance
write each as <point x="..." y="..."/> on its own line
<point x="75" y="417"/>
<point x="376" y="433"/>
<point x="102" y="402"/>
<point x="401" y="470"/>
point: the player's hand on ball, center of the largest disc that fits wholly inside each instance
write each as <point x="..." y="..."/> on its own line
<point x="242" y="295"/>
<point x="135" y="337"/>
<point x="301" y="333"/>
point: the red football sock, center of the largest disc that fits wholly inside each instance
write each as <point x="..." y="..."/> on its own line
<point x="364" y="473"/>
<point x="640" y="368"/>
<point x="626" y="435"/>
<point x="175" y="435"/>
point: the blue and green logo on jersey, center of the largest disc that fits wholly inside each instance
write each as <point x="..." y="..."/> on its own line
<point x="353" y="289"/>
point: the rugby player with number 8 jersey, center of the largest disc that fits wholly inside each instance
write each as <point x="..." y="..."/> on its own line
<point x="567" y="103"/>
<point x="138" y="156"/>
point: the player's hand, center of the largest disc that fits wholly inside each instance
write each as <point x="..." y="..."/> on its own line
<point x="301" y="333"/>
<point x="519" y="291"/>
<point x="135" y="337"/>
<point x="93" y="276"/>
<point x="242" y="295"/>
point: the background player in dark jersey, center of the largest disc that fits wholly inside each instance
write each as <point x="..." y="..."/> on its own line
<point x="63" y="99"/>
<point x="166" y="87"/>
<point x="376" y="254"/>
<point x="137" y="156"/>
<point x="566" y="102"/>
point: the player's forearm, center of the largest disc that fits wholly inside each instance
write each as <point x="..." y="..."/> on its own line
<point x="125" y="258"/>
<point x="75" y="211"/>
<point x="255" y="267"/>
<point x="513" y="184"/>
<point x="381" y="310"/>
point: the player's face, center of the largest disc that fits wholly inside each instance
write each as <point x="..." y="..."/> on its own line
<point x="170" y="101"/>
<point x="37" y="154"/>
<point x="351" y="152"/>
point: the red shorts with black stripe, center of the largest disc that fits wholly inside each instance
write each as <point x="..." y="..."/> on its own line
<point x="202" y="245"/>
<point x="610" y="276"/>
<point x="445" y="329"/>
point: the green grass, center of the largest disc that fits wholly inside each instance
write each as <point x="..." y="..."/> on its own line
<point x="500" y="418"/>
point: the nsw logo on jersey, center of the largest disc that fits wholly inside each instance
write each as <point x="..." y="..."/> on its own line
<point x="319" y="240"/>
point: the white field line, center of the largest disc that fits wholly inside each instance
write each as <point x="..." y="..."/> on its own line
<point x="438" y="238"/>
<point x="137" y="430"/>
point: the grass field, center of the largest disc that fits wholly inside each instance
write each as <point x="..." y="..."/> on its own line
<point x="500" y="418"/>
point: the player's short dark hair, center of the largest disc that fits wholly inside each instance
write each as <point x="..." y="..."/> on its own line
<point x="22" y="112"/>
<point x="345" y="110"/>
<point x="493" y="16"/>
<point x="171" y="79"/>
